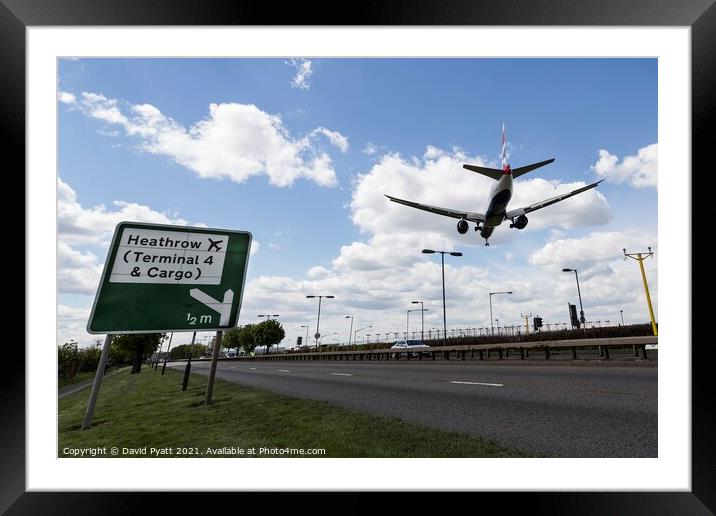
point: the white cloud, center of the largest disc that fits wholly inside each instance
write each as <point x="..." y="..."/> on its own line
<point x="370" y="149"/>
<point x="77" y="224"/>
<point x="66" y="98"/>
<point x="608" y="282"/>
<point x="336" y="138"/>
<point x="236" y="141"/>
<point x="304" y="70"/>
<point x="597" y="247"/>
<point x="640" y="170"/>
<point x="77" y="272"/>
<point x="71" y="325"/>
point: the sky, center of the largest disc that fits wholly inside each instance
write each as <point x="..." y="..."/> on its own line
<point x="300" y="152"/>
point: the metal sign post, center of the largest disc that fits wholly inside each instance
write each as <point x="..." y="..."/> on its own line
<point x="212" y="371"/>
<point x="87" y="421"/>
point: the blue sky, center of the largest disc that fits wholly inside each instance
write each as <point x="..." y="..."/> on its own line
<point x="349" y="131"/>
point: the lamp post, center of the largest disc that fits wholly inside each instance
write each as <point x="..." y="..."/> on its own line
<point x="351" y="330"/>
<point x="442" y="259"/>
<point x="305" y="326"/>
<point x="492" y="327"/>
<point x="359" y="329"/>
<point x="422" y="319"/>
<point x="328" y="335"/>
<point x="621" y="312"/>
<point x="407" y="323"/>
<point x="318" y="322"/>
<point x="579" y="293"/>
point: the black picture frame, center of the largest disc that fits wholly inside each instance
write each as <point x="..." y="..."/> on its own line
<point x="17" y="15"/>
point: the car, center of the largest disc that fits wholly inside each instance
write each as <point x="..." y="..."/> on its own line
<point x="413" y="347"/>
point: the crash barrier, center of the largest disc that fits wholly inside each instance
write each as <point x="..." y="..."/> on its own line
<point x="525" y="350"/>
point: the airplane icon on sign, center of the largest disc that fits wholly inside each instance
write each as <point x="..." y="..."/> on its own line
<point x="214" y="243"/>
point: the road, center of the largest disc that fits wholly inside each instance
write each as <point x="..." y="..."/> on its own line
<point x="550" y="410"/>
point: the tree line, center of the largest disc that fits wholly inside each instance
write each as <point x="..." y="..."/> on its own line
<point x="136" y="348"/>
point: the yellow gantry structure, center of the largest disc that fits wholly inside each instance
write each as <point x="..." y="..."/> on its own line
<point x="640" y="258"/>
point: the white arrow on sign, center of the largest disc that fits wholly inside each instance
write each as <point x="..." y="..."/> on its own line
<point x="224" y="308"/>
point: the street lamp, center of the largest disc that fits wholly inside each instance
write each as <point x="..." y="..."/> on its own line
<point x="359" y="329"/>
<point x="305" y="326"/>
<point x="351" y="330"/>
<point x="407" y="323"/>
<point x="422" y="319"/>
<point x="328" y="335"/>
<point x="579" y="292"/>
<point x="442" y="259"/>
<point x="621" y="312"/>
<point x="320" y="298"/>
<point x="493" y="294"/>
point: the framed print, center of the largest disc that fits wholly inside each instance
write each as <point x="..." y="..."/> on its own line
<point x="344" y="146"/>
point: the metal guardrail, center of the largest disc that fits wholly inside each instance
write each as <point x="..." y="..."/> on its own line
<point x="478" y="351"/>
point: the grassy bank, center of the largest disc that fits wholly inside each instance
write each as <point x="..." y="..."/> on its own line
<point x="146" y="411"/>
<point x="79" y="377"/>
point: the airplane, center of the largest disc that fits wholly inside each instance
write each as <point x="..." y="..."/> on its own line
<point x="500" y="195"/>
<point x="214" y="243"/>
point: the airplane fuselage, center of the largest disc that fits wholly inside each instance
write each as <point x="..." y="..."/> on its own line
<point x="500" y="196"/>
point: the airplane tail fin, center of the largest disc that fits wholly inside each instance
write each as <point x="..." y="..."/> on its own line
<point x="493" y="172"/>
<point x="517" y="172"/>
<point x="506" y="169"/>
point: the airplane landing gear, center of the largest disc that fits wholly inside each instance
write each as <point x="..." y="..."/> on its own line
<point x="487" y="243"/>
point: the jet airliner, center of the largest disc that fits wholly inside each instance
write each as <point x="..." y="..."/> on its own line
<point x="500" y="196"/>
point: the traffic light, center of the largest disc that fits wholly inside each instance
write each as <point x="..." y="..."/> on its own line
<point x="537" y="322"/>
<point x="298" y="341"/>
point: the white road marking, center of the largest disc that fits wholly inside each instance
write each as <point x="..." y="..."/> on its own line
<point x="252" y="368"/>
<point x="341" y="374"/>
<point x="479" y="383"/>
<point x="283" y="370"/>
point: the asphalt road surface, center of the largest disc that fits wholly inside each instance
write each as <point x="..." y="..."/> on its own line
<point x="549" y="410"/>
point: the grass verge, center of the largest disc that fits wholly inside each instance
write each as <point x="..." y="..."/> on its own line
<point x="79" y="377"/>
<point x="147" y="415"/>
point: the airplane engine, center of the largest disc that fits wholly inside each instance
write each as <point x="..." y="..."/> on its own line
<point x="520" y="222"/>
<point x="462" y="226"/>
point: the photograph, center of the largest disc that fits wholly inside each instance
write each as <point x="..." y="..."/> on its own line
<point x="357" y="257"/>
<point x="363" y="259"/>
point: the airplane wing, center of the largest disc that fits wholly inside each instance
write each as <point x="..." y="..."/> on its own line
<point x="456" y="214"/>
<point x="547" y="202"/>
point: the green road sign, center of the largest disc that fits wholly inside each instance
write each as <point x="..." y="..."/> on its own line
<point x="161" y="278"/>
